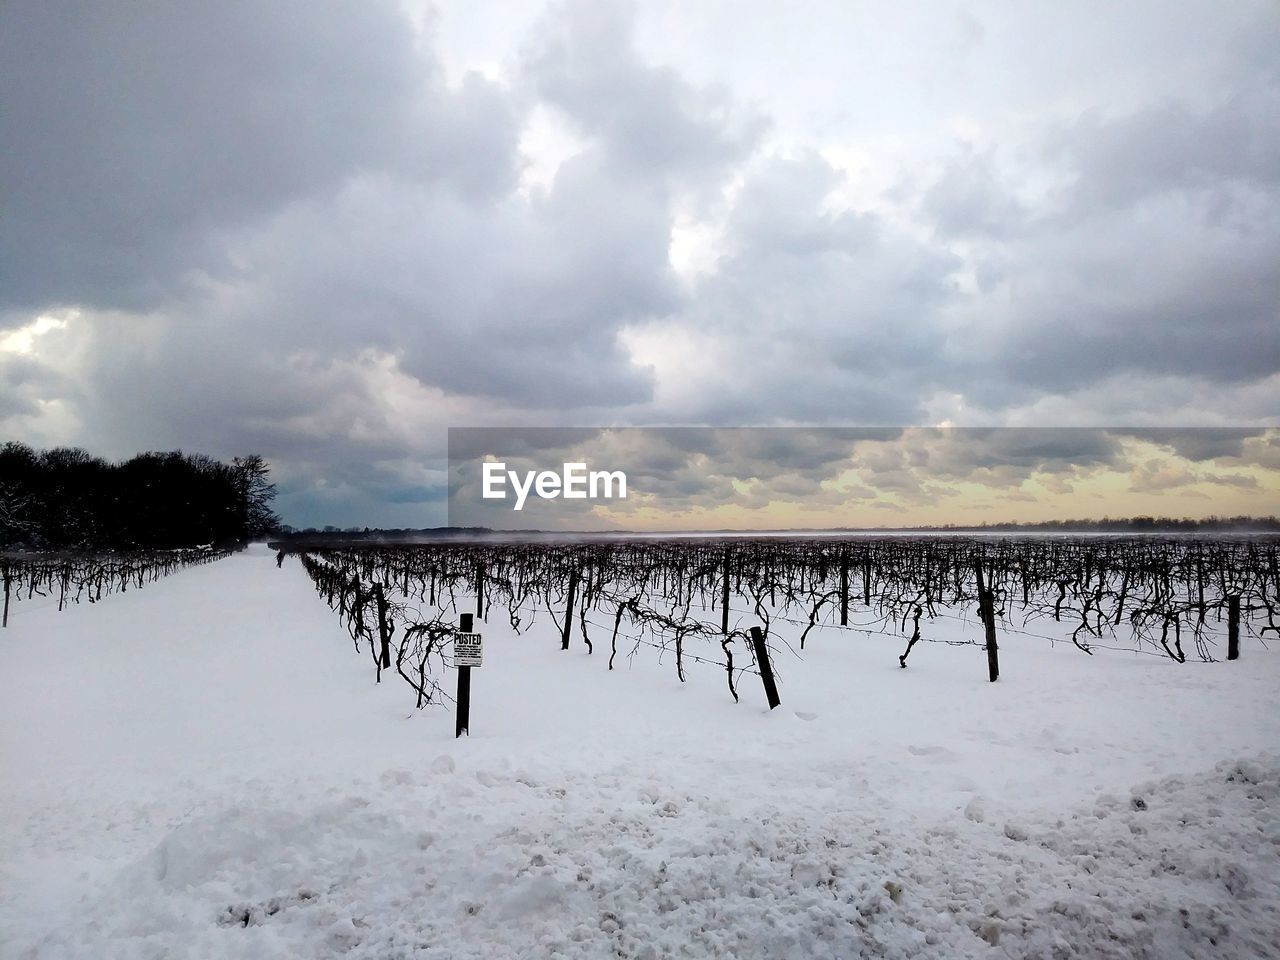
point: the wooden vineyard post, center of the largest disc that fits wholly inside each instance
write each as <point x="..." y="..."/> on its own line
<point x="568" y="612"/>
<point x="766" y="668"/>
<point x="463" y="724"/>
<point x="8" y="583"/>
<point x="987" y="607"/>
<point x="1233" y="627"/>
<point x="724" y="596"/>
<point x="384" y="632"/>
<point x="844" y="586"/>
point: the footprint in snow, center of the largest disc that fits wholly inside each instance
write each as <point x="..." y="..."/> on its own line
<point x="933" y="751"/>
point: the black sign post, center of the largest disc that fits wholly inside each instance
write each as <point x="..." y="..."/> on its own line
<point x="464" y="686"/>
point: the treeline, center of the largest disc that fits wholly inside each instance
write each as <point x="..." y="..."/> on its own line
<point x="335" y="536"/>
<point x="1142" y="524"/>
<point x="67" y="499"/>
<point x="314" y="536"/>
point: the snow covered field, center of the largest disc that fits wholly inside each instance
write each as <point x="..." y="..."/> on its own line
<point x="204" y="768"/>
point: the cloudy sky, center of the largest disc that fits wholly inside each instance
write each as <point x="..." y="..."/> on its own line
<point x="326" y="232"/>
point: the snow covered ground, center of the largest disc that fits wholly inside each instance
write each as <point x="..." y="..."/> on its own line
<point x="204" y="768"/>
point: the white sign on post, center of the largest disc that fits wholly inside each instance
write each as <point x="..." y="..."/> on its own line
<point x="466" y="650"/>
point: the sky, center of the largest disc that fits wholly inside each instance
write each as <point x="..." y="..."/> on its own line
<point x="327" y="232"/>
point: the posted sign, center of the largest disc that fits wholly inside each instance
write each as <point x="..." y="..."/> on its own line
<point x="466" y="650"/>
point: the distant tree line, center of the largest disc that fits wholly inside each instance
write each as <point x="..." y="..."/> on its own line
<point x="65" y="498"/>
<point x="316" y="537"/>
<point x="1140" y="524"/>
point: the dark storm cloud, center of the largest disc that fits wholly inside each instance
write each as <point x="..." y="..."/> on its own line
<point x="924" y="459"/>
<point x="953" y="453"/>
<point x="373" y="497"/>
<point x="826" y="316"/>
<point x="26" y="382"/>
<point x="475" y="295"/>
<point x="649" y="122"/>
<point x="134" y="131"/>
<point x="493" y="302"/>
<point x="970" y="198"/>
<point x="1199" y="444"/>
<point x="1179" y="299"/>
<point x="1161" y="256"/>
<point x="475" y="443"/>
<point x="1221" y="152"/>
<point x="208" y="393"/>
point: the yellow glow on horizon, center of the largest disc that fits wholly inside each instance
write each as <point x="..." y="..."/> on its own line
<point x="1148" y="479"/>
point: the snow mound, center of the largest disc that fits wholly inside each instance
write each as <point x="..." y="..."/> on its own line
<point x="540" y="862"/>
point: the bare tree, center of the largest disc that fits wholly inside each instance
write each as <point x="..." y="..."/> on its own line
<point x="255" y="493"/>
